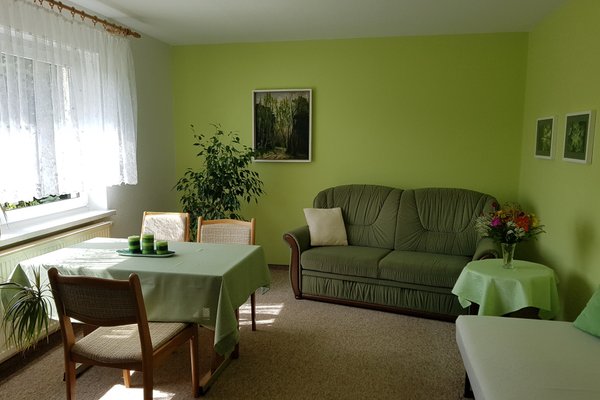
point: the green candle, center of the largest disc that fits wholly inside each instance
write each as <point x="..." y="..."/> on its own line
<point x="162" y="247"/>
<point x="148" y="243"/>
<point x="134" y="244"/>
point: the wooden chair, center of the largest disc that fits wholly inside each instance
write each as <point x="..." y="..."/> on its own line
<point x="172" y="226"/>
<point x="229" y="231"/>
<point x="124" y="338"/>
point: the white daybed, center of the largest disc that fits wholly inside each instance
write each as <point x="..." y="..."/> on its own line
<point x="528" y="359"/>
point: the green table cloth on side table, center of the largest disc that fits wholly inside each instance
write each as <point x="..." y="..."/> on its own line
<point x="500" y="291"/>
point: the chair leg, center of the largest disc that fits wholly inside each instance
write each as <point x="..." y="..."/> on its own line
<point x="127" y="378"/>
<point x="148" y="381"/>
<point x="253" y="310"/>
<point x="70" y="379"/>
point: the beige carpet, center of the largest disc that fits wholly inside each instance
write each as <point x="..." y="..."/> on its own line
<point x="301" y="350"/>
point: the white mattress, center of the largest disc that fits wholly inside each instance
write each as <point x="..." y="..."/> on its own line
<point x="514" y="358"/>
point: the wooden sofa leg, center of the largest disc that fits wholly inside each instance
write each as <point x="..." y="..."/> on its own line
<point x="468" y="393"/>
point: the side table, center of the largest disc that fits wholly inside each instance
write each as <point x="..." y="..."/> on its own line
<point x="500" y="291"/>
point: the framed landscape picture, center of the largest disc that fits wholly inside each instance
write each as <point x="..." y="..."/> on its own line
<point x="544" y="138"/>
<point x="281" y="124"/>
<point x="579" y="137"/>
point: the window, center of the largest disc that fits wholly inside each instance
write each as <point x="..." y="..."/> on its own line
<point x="43" y="142"/>
<point x="67" y="106"/>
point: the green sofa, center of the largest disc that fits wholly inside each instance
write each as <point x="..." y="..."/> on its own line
<point x="406" y="248"/>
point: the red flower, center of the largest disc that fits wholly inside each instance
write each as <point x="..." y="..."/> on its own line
<point x="522" y="221"/>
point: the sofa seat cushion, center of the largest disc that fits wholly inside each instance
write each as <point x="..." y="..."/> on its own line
<point x="344" y="260"/>
<point x="430" y="269"/>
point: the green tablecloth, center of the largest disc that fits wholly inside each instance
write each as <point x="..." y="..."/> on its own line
<point x="202" y="283"/>
<point x="500" y="291"/>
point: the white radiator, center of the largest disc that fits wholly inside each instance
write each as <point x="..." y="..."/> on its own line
<point x="11" y="256"/>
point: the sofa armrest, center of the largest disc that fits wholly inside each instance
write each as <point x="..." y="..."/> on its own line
<point x="486" y="248"/>
<point x="299" y="240"/>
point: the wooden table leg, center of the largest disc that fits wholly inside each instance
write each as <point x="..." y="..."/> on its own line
<point x="468" y="392"/>
<point x="216" y="362"/>
<point x="211" y="376"/>
<point x="474" y="309"/>
<point x="236" y="351"/>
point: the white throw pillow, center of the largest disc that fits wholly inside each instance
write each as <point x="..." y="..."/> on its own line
<point x="326" y="226"/>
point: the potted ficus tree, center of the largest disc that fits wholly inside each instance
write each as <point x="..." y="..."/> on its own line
<point x="27" y="310"/>
<point x="224" y="180"/>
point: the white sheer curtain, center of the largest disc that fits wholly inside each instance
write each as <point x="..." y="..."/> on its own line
<point x="67" y="105"/>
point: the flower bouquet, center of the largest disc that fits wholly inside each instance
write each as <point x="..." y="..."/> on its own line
<point x="508" y="225"/>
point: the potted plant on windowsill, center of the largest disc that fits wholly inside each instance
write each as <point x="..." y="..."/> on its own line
<point x="3" y="216"/>
<point x="223" y="182"/>
<point x="27" y="310"/>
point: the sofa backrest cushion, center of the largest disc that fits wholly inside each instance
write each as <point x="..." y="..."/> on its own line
<point x="440" y="220"/>
<point x="370" y="212"/>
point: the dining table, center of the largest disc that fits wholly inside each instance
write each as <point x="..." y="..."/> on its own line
<point x="195" y="282"/>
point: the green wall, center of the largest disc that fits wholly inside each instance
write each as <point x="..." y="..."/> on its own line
<point x="406" y="112"/>
<point x="563" y="77"/>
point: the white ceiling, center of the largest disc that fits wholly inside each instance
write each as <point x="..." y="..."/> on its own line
<point x="181" y="22"/>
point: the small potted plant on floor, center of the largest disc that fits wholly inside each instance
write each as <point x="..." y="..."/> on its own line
<point x="224" y="180"/>
<point x="26" y="312"/>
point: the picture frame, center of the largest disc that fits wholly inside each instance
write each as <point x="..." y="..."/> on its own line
<point x="579" y="137"/>
<point x="544" y="138"/>
<point x="282" y="125"/>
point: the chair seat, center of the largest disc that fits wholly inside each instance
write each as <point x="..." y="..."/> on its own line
<point x="121" y="344"/>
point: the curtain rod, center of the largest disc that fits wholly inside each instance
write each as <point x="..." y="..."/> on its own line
<point x="108" y="26"/>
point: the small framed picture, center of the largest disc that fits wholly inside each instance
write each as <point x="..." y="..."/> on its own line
<point x="544" y="138"/>
<point x="281" y="124"/>
<point x="579" y="137"/>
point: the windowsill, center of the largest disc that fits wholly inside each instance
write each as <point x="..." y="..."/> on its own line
<point x="24" y="231"/>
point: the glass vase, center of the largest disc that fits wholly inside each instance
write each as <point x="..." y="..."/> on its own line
<point x="508" y="253"/>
